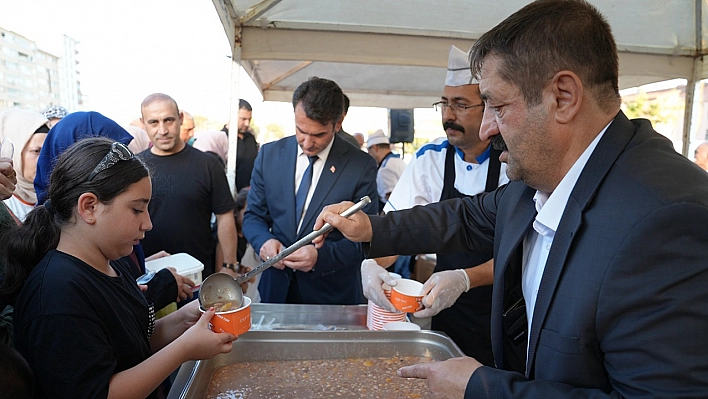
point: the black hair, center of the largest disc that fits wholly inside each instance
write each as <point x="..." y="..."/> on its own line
<point x="321" y="99"/>
<point x="548" y="36"/>
<point x="346" y="103"/>
<point x="16" y="377"/>
<point x="69" y="180"/>
<point x="243" y="104"/>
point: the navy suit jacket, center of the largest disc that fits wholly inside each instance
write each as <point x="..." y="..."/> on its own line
<point x="622" y="308"/>
<point x="348" y="175"/>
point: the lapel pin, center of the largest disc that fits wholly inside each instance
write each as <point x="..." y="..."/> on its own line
<point x="332" y="169"/>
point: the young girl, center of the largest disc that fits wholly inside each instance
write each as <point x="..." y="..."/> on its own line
<point x="80" y="320"/>
<point x="165" y="287"/>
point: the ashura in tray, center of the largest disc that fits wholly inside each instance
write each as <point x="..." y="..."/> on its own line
<point x="356" y="378"/>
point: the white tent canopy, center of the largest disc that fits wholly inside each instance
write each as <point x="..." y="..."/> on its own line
<point x="393" y="53"/>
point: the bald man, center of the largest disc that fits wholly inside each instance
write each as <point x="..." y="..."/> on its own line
<point x="187" y="187"/>
<point x="186" y="130"/>
<point x="702" y="156"/>
<point x="360" y="139"/>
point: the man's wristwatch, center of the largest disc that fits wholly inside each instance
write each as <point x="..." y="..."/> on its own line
<point x="233" y="266"/>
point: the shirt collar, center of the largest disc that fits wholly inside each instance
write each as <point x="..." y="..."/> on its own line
<point x="550" y="207"/>
<point x="480" y="159"/>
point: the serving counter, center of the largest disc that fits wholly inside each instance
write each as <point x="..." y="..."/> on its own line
<point x="310" y="332"/>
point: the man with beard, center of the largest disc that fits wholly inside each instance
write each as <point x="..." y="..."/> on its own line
<point x="247" y="148"/>
<point x="599" y="241"/>
<point x="459" y="293"/>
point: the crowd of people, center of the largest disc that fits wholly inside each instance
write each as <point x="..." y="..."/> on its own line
<point x="568" y="238"/>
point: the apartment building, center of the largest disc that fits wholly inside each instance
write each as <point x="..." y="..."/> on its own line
<point x="33" y="79"/>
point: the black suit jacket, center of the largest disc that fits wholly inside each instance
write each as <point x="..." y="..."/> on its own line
<point x="622" y="308"/>
<point x="348" y="175"/>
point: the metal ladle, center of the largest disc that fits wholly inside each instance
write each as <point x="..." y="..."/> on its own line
<point x="220" y="287"/>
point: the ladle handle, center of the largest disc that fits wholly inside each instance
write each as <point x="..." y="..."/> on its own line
<point x="303" y="241"/>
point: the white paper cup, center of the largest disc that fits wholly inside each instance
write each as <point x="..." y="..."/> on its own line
<point x="400" y="326"/>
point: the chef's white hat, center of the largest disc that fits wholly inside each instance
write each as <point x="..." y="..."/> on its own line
<point x="378" y="137"/>
<point x="458" y="69"/>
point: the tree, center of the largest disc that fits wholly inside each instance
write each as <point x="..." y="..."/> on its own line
<point x="202" y="124"/>
<point x="663" y="110"/>
<point x="275" y="132"/>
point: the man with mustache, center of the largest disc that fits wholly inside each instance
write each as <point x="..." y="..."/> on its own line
<point x="599" y="240"/>
<point x="459" y="293"/>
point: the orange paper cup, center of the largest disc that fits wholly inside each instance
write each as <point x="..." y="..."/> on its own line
<point x="406" y="295"/>
<point x="235" y="322"/>
<point x="386" y="287"/>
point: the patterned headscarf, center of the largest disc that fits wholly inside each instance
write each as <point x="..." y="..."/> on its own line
<point x="55" y="111"/>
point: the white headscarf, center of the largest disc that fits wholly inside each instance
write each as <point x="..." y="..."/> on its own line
<point x="19" y="125"/>
<point x="141" y="141"/>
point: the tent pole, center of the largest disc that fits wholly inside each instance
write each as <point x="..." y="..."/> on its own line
<point x="688" y="107"/>
<point x="695" y="78"/>
<point x="233" y="114"/>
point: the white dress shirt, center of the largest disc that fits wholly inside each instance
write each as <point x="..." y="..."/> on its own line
<point x="301" y="165"/>
<point x="538" y="241"/>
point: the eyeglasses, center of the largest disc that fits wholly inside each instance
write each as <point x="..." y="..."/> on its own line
<point x="118" y="152"/>
<point x="455" y="107"/>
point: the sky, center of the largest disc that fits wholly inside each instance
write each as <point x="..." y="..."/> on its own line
<point x="131" y="48"/>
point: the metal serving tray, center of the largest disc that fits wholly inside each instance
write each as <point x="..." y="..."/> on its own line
<point x="272" y="316"/>
<point x="193" y="378"/>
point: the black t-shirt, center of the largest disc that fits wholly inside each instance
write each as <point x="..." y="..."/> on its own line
<point x="246" y="153"/>
<point x="76" y="326"/>
<point x="186" y="188"/>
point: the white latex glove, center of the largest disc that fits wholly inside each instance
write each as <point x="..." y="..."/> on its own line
<point x="442" y="290"/>
<point x="373" y="277"/>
